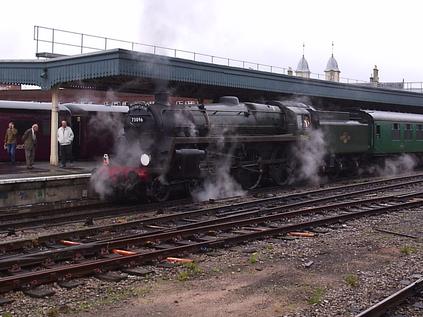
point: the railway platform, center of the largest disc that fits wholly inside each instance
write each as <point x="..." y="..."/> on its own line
<point x="44" y="183"/>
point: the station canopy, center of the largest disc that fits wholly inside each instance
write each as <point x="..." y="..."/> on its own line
<point x="129" y="71"/>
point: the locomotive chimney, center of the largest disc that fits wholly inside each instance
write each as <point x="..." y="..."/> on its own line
<point x="162" y="98"/>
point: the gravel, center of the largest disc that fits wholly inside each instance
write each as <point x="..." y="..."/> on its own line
<point x="341" y="271"/>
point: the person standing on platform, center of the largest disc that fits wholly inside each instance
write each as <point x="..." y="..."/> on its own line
<point x="10" y="142"/>
<point x="65" y="138"/>
<point x="29" y="139"/>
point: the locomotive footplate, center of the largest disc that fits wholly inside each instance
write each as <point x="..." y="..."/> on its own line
<point x="238" y="139"/>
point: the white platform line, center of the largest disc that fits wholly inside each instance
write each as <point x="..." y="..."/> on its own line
<point x="43" y="178"/>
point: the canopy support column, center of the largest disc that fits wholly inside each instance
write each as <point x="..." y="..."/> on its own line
<point x="54" y="156"/>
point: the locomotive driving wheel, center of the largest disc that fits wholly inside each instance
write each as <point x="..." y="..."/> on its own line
<point x="250" y="172"/>
<point x="283" y="168"/>
<point x="159" y="191"/>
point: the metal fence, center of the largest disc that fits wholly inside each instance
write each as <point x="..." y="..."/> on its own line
<point x="55" y="42"/>
<point x="415" y="86"/>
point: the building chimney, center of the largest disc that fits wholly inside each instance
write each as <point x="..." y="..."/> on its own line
<point x="290" y="72"/>
<point x="375" y="75"/>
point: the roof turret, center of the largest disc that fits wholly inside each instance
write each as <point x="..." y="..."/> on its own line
<point x="332" y="65"/>
<point x="303" y="65"/>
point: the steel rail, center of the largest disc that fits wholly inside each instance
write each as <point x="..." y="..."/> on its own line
<point x="135" y="224"/>
<point x="31" y="279"/>
<point x="63" y="218"/>
<point x="180" y="231"/>
<point x="393" y="300"/>
<point x="71" y="214"/>
<point x="12" y="245"/>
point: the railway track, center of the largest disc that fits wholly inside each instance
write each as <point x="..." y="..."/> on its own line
<point x="55" y="216"/>
<point x="392" y="301"/>
<point x="234" y="210"/>
<point x="49" y="217"/>
<point x="154" y="242"/>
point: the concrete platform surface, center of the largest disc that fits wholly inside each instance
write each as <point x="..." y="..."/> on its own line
<point x="44" y="169"/>
<point x="45" y="183"/>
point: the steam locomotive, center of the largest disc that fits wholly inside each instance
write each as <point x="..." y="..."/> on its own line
<point x="169" y="146"/>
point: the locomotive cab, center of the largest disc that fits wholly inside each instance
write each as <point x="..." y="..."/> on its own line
<point x="299" y="118"/>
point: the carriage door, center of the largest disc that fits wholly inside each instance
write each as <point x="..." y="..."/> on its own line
<point x="76" y="128"/>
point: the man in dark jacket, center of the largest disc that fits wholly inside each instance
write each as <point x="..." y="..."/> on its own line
<point x="10" y="141"/>
<point x="29" y="139"/>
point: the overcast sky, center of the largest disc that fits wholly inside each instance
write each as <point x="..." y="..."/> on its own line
<point x="365" y="33"/>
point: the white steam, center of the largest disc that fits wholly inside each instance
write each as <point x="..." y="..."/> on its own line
<point x="106" y="124"/>
<point x="397" y="165"/>
<point x="100" y="182"/>
<point x="310" y="155"/>
<point x="220" y="185"/>
<point x="121" y="152"/>
<point x="182" y="120"/>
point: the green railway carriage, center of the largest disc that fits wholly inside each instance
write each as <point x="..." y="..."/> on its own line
<point x="344" y="133"/>
<point x="394" y="132"/>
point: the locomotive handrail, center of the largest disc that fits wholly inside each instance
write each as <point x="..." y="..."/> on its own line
<point x="216" y="111"/>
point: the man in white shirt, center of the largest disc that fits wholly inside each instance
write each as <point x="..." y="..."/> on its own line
<point x="65" y="138"/>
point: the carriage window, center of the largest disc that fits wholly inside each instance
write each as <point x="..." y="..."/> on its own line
<point x="408" y="132"/>
<point x="378" y="131"/>
<point x="396" y="131"/>
<point x="419" y="131"/>
<point x="44" y="127"/>
<point x="22" y="126"/>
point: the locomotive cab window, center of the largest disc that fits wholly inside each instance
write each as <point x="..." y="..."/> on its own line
<point x="299" y="121"/>
<point x="396" y="131"/>
<point x="408" y="132"/>
<point x="306" y="122"/>
<point x="419" y="132"/>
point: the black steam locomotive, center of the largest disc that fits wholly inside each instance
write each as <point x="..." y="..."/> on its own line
<point x="169" y="146"/>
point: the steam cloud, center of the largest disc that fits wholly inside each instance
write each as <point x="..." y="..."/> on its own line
<point x="309" y="154"/>
<point x="394" y="166"/>
<point x="99" y="182"/>
<point x="222" y="184"/>
<point x="121" y="152"/>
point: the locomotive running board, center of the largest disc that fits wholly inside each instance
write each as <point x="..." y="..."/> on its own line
<point x="238" y="139"/>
